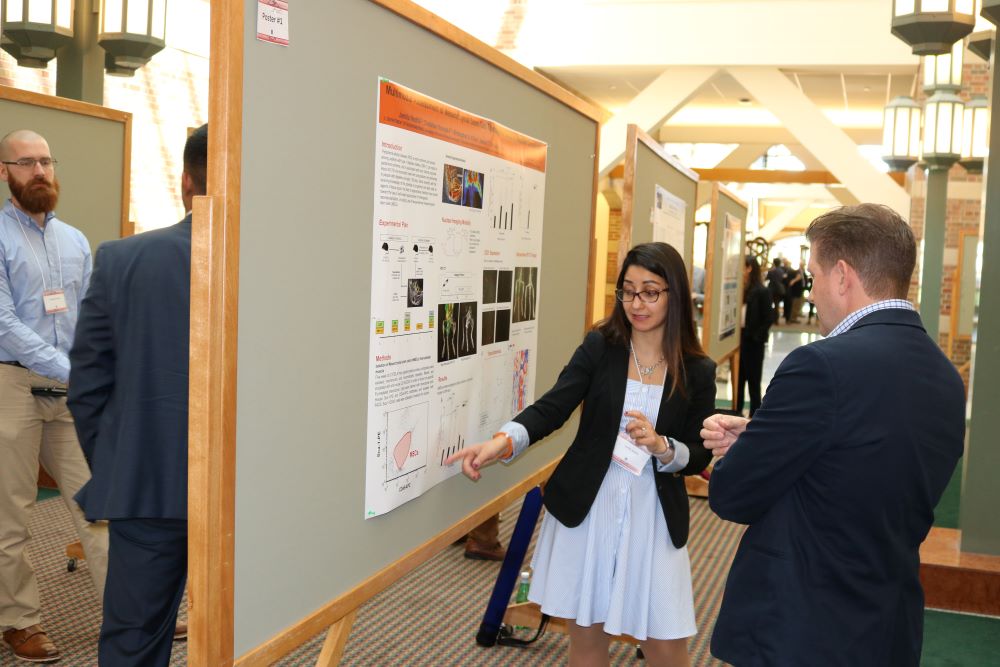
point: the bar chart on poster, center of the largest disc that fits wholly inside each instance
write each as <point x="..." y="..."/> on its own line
<point x="446" y="324"/>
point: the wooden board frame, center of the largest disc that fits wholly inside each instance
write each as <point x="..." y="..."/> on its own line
<point x="214" y="308"/>
<point x="635" y="137"/>
<point x="126" y="228"/>
<point x="954" y="335"/>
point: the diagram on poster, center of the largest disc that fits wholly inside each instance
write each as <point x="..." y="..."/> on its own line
<point x="456" y="257"/>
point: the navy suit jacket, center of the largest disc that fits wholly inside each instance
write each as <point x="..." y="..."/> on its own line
<point x="597" y="375"/>
<point x="128" y="383"/>
<point x="837" y="476"/>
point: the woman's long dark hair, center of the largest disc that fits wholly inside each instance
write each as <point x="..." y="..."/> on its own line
<point x="755" y="278"/>
<point x="679" y="337"/>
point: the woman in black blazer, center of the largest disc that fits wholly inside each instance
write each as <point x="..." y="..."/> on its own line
<point x="611" y="553"/>
<point x="756" y="328"/>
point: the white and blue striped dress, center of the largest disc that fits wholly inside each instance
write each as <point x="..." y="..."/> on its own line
<point x="619" y="566"/>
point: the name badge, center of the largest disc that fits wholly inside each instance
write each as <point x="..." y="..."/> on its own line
<point x="629" y="455"/>
<point x="55" y="301"/>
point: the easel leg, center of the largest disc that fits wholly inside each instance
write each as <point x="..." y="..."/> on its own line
<point x="336" y="639"/>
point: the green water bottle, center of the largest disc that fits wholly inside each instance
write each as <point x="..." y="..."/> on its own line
<point x="522" y="587"/>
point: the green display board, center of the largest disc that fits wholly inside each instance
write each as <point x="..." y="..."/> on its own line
<point x="658" y="198"/>
<point x="92" y="146"/>
<point x="305" y="263"/>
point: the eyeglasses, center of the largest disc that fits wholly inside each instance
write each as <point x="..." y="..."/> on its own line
<point x="30" y="162"/>
<point x="646" y="296"/>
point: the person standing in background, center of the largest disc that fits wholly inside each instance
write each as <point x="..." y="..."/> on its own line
<point x="128" y="393"/>
<point x="776" y="286"/>
<point x="757" y="320"/>
<point x="45" y="268"/>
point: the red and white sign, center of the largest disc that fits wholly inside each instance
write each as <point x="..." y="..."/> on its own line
<point x="272" y="21"/>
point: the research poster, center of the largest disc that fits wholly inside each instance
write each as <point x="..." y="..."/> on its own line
<point x="668" y="219"/>
<point x="456" y="259"/>
<point x="732" y="266"/>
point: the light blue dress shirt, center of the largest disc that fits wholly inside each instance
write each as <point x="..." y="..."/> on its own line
<point x="33" y="260"/>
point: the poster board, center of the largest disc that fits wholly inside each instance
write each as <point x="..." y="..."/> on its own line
<point x="658" y="192"/>
<point x="724" y="275"/>
<point x="277" y="449"/>
<point x="93" y="145"/>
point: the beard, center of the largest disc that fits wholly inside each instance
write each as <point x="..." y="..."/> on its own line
<point x="35" y="196"/>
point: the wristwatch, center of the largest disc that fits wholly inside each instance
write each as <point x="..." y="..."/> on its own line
<point x="669" y="442"/>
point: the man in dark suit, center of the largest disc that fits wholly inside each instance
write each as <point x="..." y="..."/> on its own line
<point x="128" y="392"/>
<point x="839" y="471"/>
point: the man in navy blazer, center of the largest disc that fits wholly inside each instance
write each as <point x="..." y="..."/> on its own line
<point x="128" y="392"/>
<point x="839" y="471"/>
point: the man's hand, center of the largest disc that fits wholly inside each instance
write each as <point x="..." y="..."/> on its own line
<point x="478" y="455"/>
<point x="721" y="431"/>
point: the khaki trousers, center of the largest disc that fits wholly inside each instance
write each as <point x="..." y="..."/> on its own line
<point x="33" y="430"/>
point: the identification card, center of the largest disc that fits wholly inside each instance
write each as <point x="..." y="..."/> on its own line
<point x="55" y="301"/>
<point x="629" y="455"/>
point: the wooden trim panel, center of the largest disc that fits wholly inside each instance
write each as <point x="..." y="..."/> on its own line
<point x="63" y="104"/>
<point x="779" y="176"/>
<point x="127" y="227"/>
<point x="628" y="194"/>
<point x="657" y="148"/>
<point x="214" y="311"/>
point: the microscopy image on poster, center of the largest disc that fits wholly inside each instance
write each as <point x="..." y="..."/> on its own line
<point x="502" y="331"/>
<point x="525" y="293"/>
<point x="489" y="324"/>
<point x="505" y="286"/>
<point x="472" y="193"/>
<point x="456" y="255"/>
<point x="490" y="286"/>
<point x="415" y="292"/>
<point x="467" y="328"/>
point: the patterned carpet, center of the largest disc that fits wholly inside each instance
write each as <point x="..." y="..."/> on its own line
<point x="429" y="618"/>
<point x="451" y="593"/>
<point x="71" y="612"/>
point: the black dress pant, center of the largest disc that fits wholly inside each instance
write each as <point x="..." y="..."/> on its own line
<point x="147" y="569"/>
<point x="751" y="370"/>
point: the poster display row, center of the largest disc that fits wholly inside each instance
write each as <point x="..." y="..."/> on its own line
<point x="456" y="257"/>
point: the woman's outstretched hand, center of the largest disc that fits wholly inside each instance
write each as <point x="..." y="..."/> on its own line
<point x="474" y="457"/>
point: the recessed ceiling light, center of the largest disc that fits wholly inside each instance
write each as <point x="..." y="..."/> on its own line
<point x="612" y="87"/>
<point x="744" y="100"/>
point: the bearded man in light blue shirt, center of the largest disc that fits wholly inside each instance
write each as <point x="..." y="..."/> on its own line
<point x="45" y="268"/>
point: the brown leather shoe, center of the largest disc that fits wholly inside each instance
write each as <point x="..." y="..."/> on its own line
<point x="180" y="631"/>
<point x="31" y="644"/>
<point x="478" y="551"/>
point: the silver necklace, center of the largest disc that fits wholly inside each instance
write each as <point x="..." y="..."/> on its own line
<point x="644" y="371"/>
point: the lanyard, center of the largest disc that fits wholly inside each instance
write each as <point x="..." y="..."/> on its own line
<point x="35" y="255"/>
